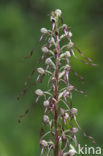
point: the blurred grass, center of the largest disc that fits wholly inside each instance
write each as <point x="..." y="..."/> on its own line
<point x="20" y="23"/>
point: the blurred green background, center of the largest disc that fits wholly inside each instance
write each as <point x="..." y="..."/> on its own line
<point x="20" y="23"/>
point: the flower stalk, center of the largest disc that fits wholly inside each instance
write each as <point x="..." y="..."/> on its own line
<point x="57" y="59"/>
<point x="60" y="137"/>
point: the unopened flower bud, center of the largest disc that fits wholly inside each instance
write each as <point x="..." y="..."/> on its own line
<point x="74" y="130"/>
<point x="44" y="49"/>
<point x="49" y="62"/>
<point x="70" y="34"/>
<point x="71" y="152"/>
<point x="39" y="92"/>
<point x="62" y="36"/>
<point x="67" y="54"/>
<point x="44" y="30"/>
<point x="43" y="143"/>
<point x="50" y="142"/>
<point x="58" y="12"/>
<point x="46" y="119"/>
<point x="70" y="88"/>
<point x="66" y="116"/>
<point x="53" y="79"/>
<point x="61" y="74"/>
<point x="60" y="95"/>
<point x="63" y="136"/>
<point x="67" y="67"/>
<point x="62" y="55"/>
<point x="52" y="19"/>
<point x="52" y="40"/>
<point x="65" y="26"/>
<point x="41" y="71"/>
<point x="70" y="45"/>
<point x="74" y="111"/>
<point x="62" y="112"/>
<point x="46" y="103"/>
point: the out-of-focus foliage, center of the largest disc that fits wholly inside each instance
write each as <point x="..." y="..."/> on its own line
<point x="20" y="23"/>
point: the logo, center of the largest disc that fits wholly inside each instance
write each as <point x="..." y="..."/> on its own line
<point x="87" y="150"/>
